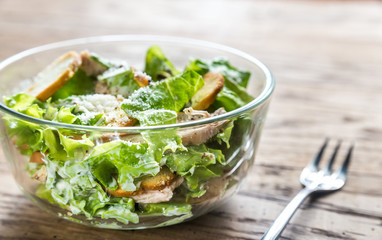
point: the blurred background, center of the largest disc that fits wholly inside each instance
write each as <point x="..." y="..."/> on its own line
<point x="301" y="41"/>
<point x="326" y="58"/>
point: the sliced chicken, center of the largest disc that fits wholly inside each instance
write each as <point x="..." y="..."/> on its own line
<point x="201" y="134"/>
<point x="54" y="76"/>
<point x="154" y="189"/>
<point x="213" y="84"/>
<point x="90" y="66"/>
<point x="41" y="175"/>
<point x="157" y="196"/>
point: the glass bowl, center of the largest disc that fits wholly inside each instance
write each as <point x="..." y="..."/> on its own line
<point x="17" y="72"/>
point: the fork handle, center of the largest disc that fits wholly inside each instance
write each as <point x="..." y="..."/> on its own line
<point x="282" y="220"/>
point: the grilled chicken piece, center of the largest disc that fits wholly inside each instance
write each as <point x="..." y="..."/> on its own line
<point x="199" y="135"/>
<point x="154" y="189"/>
<point x="41" y="175"/>
<point x="90" y="66"/>
<point x="54" y="76"/>
<point x="213" y="84"/>
<point x="37" y="157"/>
<point x="157" y="196"/>
<point x="141" y="78"/>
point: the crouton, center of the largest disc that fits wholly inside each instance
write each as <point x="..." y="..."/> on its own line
<point x="54" y="76"/>
<point x="213" y="84"/>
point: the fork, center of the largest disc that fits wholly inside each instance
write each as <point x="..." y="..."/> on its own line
<point x="314" y="180"/>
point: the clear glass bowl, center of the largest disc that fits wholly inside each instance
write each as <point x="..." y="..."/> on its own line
<point x="17" y="71"/>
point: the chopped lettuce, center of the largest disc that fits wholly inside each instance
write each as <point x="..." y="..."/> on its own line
<point x="120" y="81"/>
<point x="122" y="210"/>
<point x="124" y="159"/>
<point x="72" y="186"/>
<point x="196" y="165"/>
<point x="158" y="66"/>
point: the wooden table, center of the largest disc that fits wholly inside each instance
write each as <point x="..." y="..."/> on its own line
<point x="326" y="57"/>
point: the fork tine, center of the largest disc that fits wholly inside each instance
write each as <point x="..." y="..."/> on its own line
<point x="345" y="165"/>
<point x="313" y="165"/>
<point x="328" y="167"/>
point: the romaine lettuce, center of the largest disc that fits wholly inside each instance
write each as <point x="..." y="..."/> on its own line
<point x="78" y="84"/>
<point x="224" y="67"/>
<point x="120" y="81"/>
<point x="169" y="94"/>
<point x="158" y="66"/>
<point x="196" y="165"/>
<point x="124" y="159"/>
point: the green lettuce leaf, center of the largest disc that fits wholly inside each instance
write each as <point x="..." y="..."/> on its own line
<point x="157" y="117"/>
<point x="124" y="159"/>
<point x="27" y="136"/>
<point x="122" y="210"/>
<point x="196" y="165"/>
<point x="224" y="67"/>
<point x="65" y="115"/>
<point x="170" y="94"/>
<point x="160" y="140"/>
<point x="225" y="136"/>
<point x="158" y="66"/>
<point x="120" y="81"/>
<point x="78" y="84"/>
<point x="20" y="101"/>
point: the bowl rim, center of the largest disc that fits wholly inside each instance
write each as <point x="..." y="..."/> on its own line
<point x="261" y="98"/>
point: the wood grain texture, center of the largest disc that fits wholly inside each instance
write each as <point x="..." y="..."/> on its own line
<point x="326" y="57"/>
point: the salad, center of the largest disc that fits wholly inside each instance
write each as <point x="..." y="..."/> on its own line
<point x="126" y="175"/>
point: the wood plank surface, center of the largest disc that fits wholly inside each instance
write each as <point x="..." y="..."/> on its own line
<point x="326" y="57"/>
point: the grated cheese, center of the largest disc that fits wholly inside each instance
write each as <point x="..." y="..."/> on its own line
<point x="91" y="105"/>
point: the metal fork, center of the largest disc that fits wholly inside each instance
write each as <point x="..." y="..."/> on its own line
<point x="314" y="180"/>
